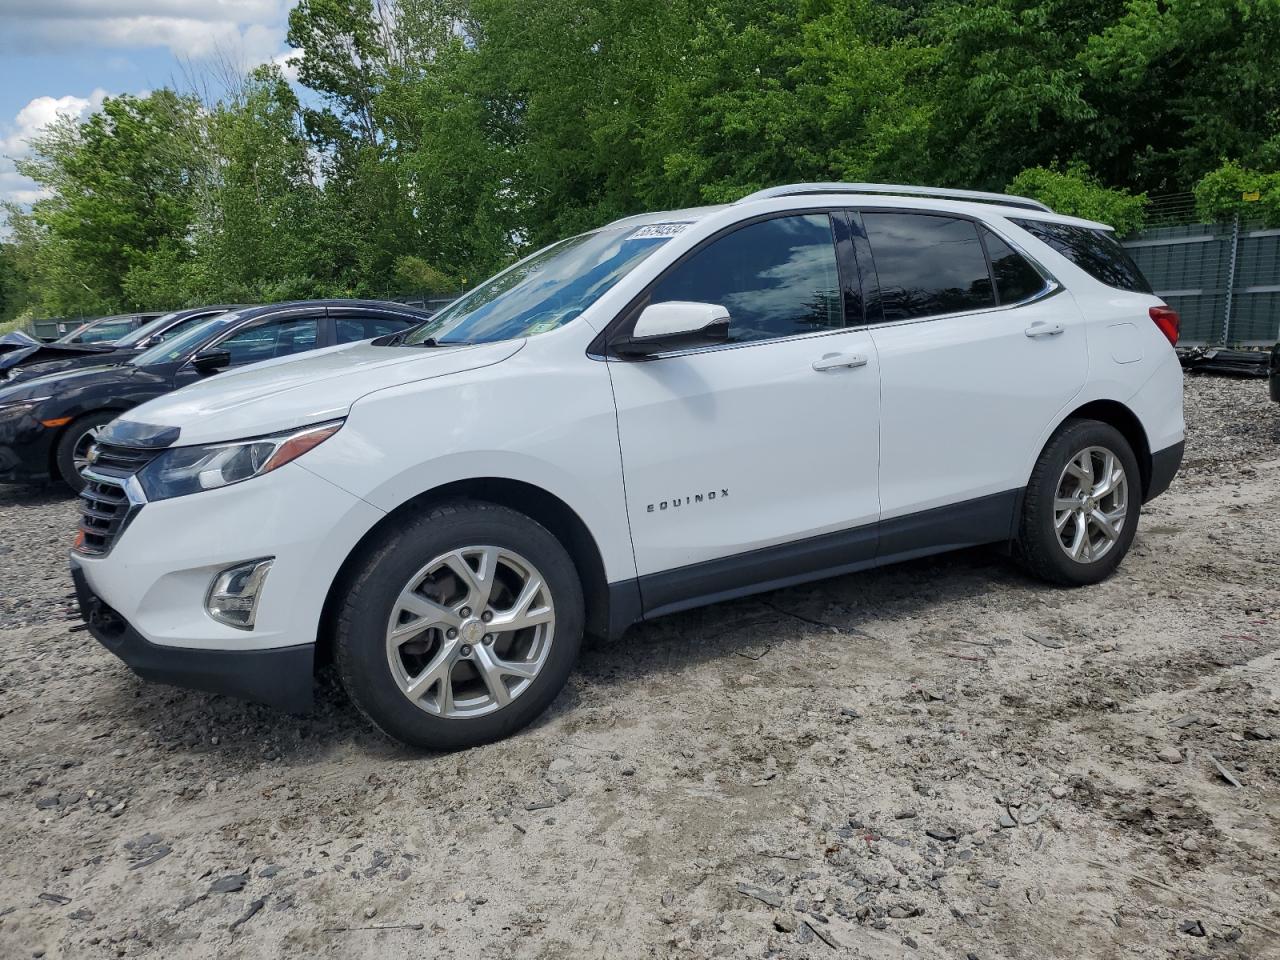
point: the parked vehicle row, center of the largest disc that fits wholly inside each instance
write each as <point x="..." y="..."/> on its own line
<point x="672" y="410"/>
<point x="52" y="410"/>
<point x="41" y="359"/>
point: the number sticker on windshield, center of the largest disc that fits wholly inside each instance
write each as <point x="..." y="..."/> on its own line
<point x="653" y="230"/>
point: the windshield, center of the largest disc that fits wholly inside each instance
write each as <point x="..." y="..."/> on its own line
<point x="159" y="323"/>
<point x="546" y="290"/>
<point x="180" y="347"/>
<point x="145" y="330"/>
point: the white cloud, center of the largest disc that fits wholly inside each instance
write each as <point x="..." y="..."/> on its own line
<point x="16" y="136"/>
<point x="41" y="112"/>
<point x="289" y="62"/>
<point x="252" y="30"/>
<point x="238" y="33"/>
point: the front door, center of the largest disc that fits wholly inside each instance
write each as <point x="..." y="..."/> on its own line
<point x="754" y="461"/>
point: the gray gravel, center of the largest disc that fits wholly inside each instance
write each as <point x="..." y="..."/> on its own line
<point x="36" y="528"/>
<point x="942" y="759"/>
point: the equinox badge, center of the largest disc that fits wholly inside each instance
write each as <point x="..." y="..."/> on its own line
<point x="685" y="501"/>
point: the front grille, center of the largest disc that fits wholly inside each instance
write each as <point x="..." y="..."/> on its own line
<point x="115" y="460"/>
<point x="105" y="508"/>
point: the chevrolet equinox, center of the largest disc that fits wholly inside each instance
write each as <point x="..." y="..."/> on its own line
<point x="673" y="410"/>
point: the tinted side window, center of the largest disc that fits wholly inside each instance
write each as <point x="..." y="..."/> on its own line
<point x="351" y="329"/>
<point x="270" y="340"/>
<point x="1096" y="252"/>
<point x="1016" y="279"/>
<point x="106" y="332"/>
<point x="928" y="264"/>
<point x="777" y="278"/>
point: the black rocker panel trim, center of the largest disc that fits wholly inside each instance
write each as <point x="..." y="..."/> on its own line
<point x="989" y="519"/>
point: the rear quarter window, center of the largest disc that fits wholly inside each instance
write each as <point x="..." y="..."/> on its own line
<point x="1096" y="252"/>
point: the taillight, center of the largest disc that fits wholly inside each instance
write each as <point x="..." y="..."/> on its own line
<point x="1166" y="319"/>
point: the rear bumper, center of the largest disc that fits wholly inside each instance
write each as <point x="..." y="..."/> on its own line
<point x="279" y="677"/>
<point x="1164" y="467"/>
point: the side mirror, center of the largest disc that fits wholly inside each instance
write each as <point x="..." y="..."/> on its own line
<point x="675" y="325"/>
<point x="211" y="360"/>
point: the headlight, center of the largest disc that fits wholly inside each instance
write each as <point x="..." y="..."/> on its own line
<point x="184" y="470"/>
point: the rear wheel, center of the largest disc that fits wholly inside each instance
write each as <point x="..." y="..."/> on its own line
<point x="460" y="627"/>
<point x="1081" y="507"/>
<point x="72" y="453"/>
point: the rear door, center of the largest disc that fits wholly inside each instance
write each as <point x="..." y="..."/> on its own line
<point x="979" y="351"/>
<point x="355" y="323"/>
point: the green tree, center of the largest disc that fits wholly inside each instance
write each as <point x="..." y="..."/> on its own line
<point x="15" y="294"/>
<point x="1222" y="194"/>
<point x="121" y="188"/>
<point x="1179" y="84"/>
<point x="259" y="212"/>
<point x="770" y="93"/>
<point x="1077" y="193"/>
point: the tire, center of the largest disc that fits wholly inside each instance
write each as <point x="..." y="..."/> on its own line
<point x="408" y="580"/>
<point x="1061" y="555"/>
<point x="77" y="433"/>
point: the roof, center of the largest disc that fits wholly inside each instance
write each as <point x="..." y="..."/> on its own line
<point x="975" y="202"/>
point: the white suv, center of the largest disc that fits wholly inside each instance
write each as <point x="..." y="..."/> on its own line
<point x="673" y="410"/>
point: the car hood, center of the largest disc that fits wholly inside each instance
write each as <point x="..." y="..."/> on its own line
<point x="37" y="353"/>
<point x="16" y="340"/>
<point x="293" y="391"/>
<point x="40" y="365"/>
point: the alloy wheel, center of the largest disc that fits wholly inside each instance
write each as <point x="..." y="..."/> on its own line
<point x="470" y="631"/>
<point x="1091" y="504"/>
<point x="80" y="452"/>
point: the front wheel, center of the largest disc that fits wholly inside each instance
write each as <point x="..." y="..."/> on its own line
<point x="1081" y="507"/>
<point x="460" y="627"/>
<point x="72" y="453"/>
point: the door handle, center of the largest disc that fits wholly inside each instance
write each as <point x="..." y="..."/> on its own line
<point x="1044" y="328"/>
<point x="836" y="361"/>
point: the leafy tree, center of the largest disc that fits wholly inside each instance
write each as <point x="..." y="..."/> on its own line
<point x="15" y="295"/>
<point x="771" y="93"/>
<point x="1221" y="195"/>
<point x="1078" y="193"/>
<point x="441" y="137"/>
<point x="1179" y="84"/>
<point x="121" y="189"/>
<point x="258" y="213"/>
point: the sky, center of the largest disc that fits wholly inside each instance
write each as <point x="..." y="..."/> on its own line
<point x="65" y="56"/>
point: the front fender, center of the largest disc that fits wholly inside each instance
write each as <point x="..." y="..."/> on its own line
<point x="555" y="430"/>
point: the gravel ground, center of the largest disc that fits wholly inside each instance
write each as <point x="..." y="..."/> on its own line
<point x="942" y="759"/>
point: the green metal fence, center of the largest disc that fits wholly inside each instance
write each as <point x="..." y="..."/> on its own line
<point x="1223" y="279"/>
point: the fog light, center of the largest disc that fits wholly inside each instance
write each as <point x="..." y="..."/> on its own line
<point x="233" y="595"/>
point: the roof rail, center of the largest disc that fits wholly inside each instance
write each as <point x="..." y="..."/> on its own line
<point x="892" y="189"/>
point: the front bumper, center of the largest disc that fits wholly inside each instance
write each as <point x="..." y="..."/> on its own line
<point x="151" y="586"/>
<point x="280" y="677"/>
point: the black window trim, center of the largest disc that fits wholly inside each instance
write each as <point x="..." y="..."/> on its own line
<point x="624" y="320"/>
<point x="345" y="312"/>
<point x="1052" y="286"/>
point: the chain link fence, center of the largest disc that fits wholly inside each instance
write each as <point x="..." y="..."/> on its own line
<point x="1223" y="279"/>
